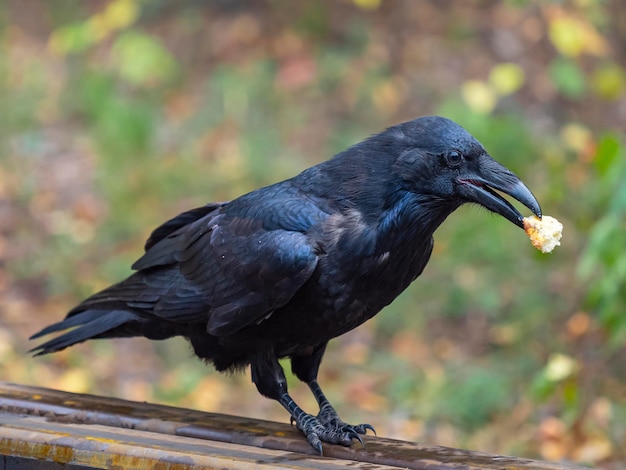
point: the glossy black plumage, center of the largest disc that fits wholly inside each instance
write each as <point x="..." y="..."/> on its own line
<point x="280" y="271"/>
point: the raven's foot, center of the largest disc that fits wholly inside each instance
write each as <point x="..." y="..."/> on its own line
<point x="330" y="419"/>
<point x="332" y="432"/>
<point x="326" y="427"/>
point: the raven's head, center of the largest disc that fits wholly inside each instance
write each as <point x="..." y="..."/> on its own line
<point x="445" y="163"/>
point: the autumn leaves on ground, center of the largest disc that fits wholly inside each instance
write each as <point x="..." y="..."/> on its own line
<point x="119" y="114"/>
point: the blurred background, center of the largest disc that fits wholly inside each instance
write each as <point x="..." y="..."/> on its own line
<point x="117" y="115"/>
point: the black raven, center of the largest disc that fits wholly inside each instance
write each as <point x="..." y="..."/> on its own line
<point x="280" y="271"/>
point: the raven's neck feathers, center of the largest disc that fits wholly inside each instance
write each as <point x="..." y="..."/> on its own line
<point x="419" y="215"/>
<point x="359" y="178"/>
<point x="362" y="180"/>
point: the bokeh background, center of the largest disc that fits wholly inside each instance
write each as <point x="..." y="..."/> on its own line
<point x="116" y="115"/>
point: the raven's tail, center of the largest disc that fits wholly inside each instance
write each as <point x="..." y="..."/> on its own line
<point x="121" y="310"/>
<point x="89" y="324"/>
<point x="128" y="308"/>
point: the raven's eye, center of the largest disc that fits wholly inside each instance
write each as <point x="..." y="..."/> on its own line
<point x="454" y="158"/>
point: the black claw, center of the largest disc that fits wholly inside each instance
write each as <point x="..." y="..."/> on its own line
<point x="292" y="420"/>
<point x="355" y="435"/>
<point x="365" y="427"/>
<point x="318" y="448"/>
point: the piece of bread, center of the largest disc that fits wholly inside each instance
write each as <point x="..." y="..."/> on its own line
<point x="545" y="233"/>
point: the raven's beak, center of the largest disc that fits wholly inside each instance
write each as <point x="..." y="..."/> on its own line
<point x="479" y="187"/>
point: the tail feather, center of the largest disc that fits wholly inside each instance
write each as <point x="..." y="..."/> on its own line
<point x="80" y="319"/>
<point x="91" y="324"/>
<point x="122" y="310"/>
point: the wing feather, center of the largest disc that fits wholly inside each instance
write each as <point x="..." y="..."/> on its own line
<point x="226" y="270"/>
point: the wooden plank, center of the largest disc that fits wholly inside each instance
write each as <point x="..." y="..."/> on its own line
<point x="97" y="446"/>
<point x="207" y="440"/>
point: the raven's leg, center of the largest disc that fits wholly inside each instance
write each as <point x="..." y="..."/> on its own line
<point x="306" y="368"/>
<point x="269" y="378"/>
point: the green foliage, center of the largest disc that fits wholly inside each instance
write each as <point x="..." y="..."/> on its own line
<point x="474" y="396"/>
<point x="567" y="77"/>
<point x="142" y="60"/>
<point x="602" y="264"/>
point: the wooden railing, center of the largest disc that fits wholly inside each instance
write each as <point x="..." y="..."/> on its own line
<point x="44" y="429"/>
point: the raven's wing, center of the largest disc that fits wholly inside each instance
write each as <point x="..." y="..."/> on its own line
<point x="182" y="219"/>
<point x="229" y="271"/>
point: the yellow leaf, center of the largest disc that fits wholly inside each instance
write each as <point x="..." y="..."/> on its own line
<point x="609" y="82"/>
<point x="506" y="78"/>
<point x="79" y="36"/>
<point x="121" y="13"/>
<point x="367" y="4"/>
<point x="479" y="96"/>
<point x="594" y="450"/>
<point x="98" y="27"/>
<point x="560" y="367"/>
<point x="74" y="380"/>
<point x="573" y="37"/>
<point x="576" y="136"/>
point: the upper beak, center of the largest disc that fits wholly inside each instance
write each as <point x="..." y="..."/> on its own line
<point x="480" y="188"/>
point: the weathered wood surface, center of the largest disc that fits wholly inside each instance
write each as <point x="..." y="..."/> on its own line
<point x="83" y="431"/>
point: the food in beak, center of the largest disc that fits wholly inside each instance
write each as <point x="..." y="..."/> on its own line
<point x="545" y="233"/>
